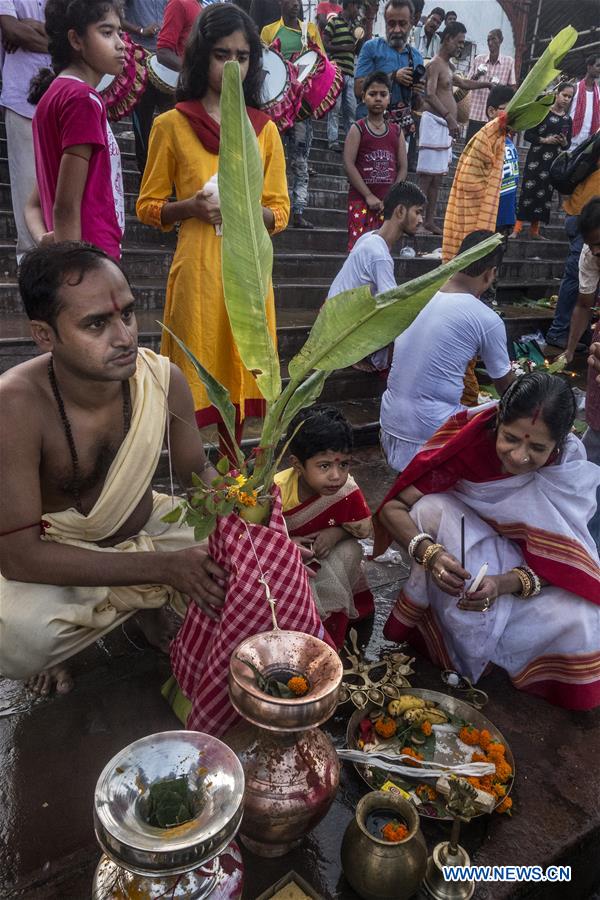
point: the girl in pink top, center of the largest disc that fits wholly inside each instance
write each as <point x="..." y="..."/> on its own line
<point x="78" y="165"/>
<point x="374" y="159"/>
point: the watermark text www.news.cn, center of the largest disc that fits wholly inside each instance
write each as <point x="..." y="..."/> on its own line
<point x="507" y="873"/>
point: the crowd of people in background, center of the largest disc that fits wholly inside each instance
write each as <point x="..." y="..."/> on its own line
<point x="403" y="102"/>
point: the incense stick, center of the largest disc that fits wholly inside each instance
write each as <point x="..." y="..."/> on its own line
<point x="462" y="541"/>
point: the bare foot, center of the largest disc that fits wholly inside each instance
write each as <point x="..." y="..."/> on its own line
<point x="57" y="677"/>
<point x="159" y="627"/>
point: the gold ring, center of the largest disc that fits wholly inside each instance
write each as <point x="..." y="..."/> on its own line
<point x="486" y="604"/>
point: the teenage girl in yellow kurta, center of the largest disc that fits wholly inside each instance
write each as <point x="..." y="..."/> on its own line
<point x="183" y="152"/>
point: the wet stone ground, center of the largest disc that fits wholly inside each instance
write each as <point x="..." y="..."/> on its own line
<point x="52" y="751"/>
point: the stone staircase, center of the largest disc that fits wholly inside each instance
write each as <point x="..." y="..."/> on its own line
<point x="305" y="264"/>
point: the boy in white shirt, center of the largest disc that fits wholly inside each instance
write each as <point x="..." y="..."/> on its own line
<point x="370" y="260"/>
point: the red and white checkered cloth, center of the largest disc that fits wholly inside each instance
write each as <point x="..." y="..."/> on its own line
<point x="200" y="653"/>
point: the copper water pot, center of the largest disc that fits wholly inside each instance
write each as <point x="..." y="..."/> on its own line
<point x="377" y="869"/>
<point x="290" y="766"/>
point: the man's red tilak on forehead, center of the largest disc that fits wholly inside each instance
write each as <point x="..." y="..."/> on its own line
<point x="115" y="305"/>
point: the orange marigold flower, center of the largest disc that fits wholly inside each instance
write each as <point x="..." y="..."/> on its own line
<point x="394" y="832"/>
<point x="485" y="784"/>
<point x="499" y="790"/>
<point x="503" y="770"/>
<point x="479" y="757"/>
<point x="485" y="739"/>
<point x="247" y="499"/>
<point x="410" y="752"/>
<point x="385" y="727"/>
<point x="426" y="792"/>
<point x="298" y="685"/>
<point x="505" y="806"/>
<point x="496" y="749"/>
<point x="469" y="735"/>
<point x="426" y="727"/>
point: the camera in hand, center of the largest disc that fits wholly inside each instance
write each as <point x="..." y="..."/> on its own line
<point x="418" y="74"/>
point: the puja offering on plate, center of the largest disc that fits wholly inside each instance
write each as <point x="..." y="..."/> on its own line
<point x="419" y="744"/>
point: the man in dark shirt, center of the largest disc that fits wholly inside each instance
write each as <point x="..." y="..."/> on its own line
<point x="266" y="11"/>
<point x="339" y="41"/>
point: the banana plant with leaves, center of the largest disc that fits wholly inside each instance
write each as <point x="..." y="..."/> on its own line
<point x="348" y="327"/>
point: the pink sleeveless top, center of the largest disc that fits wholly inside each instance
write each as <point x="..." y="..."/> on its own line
<point x="377" y="159"/>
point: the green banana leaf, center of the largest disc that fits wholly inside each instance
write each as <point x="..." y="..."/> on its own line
<point x="354" y="323"/>
<point x="525" y="110"/>
<point x="247" y="252"/>
<point x="217" y="394"/>
<point x="304" y="395"/>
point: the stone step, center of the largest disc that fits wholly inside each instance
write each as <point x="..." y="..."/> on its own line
<point x="321" y="239"/>
<point x="310" y="267"/>
<point x="322" y="205"/>
<point x="290" y="293"/>
<point x="155" y="262"/>
<point x="293" y="326"/>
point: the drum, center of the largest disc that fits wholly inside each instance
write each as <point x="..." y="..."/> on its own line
<point x="281" y="92"/>
<point x="122" y="92"/>
<point x="163" y="78"/>
<point x="322" y="81"/>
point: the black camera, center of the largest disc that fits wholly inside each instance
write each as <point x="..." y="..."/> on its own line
<point x="418" y="74"/>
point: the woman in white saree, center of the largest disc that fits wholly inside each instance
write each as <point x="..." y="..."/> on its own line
<point x="523" y="484"/>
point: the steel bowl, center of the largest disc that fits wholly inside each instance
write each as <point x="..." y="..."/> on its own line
<point x="121" y="829"/>
<point x="293" y="651"/>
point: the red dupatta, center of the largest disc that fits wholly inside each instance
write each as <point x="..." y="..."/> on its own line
<point x="207" y="130"/>
<point x="464" y="448"/>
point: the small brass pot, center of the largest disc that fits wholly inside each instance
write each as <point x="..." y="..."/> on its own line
<point x="378" y="869"/>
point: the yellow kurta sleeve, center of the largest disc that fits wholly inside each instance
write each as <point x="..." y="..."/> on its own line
<point x="159" y="175"/>
<point x="275" y="194"/>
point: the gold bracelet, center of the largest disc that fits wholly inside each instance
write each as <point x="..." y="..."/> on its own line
<point x="527" y="584"/>
<point x="429" y="554"/>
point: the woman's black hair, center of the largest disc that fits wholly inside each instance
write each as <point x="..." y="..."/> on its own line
<point x="322" y="428"/>
<point x="61" y="17"/>
<point x="540" y="394"/>
<point x="215" y="22"/>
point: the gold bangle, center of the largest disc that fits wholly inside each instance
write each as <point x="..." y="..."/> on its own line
<point x="527" y="585"/>
<point x="430" y="553"/>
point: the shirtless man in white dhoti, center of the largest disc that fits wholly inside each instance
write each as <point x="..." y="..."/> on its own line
<point x="438" y="123"/>
<point x="82" y="430"/>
